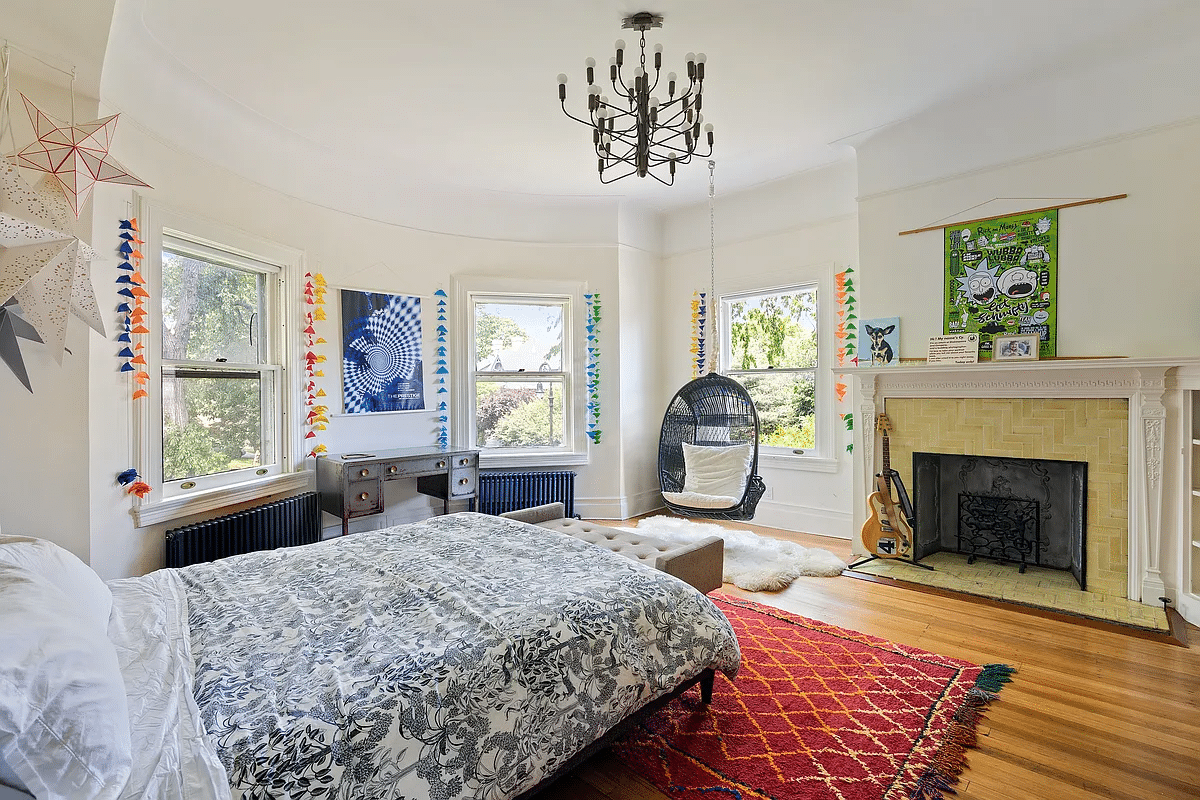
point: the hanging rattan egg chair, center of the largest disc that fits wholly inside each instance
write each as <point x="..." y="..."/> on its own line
<point x="710" y="411"/>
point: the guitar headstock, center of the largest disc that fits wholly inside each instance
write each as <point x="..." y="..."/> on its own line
<point x="883" y="424"/>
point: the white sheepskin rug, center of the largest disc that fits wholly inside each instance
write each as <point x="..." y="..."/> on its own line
<point x="752" y="562"/>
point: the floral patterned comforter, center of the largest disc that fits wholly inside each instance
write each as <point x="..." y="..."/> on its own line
<point x="463" y="656"/>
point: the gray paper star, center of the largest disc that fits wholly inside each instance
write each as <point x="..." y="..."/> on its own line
<point x="12" y="326"/>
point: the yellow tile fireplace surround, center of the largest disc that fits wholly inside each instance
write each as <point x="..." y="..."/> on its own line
<point x="1113" y="413"/>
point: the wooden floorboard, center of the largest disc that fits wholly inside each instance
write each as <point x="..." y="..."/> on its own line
<point x="1091" y="713"/>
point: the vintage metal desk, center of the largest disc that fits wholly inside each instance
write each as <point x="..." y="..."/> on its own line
<point x="351" y="484"/>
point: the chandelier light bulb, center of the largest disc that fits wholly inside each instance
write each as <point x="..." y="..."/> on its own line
<point x="562" y="77"/>
<point x="589" y="62"/>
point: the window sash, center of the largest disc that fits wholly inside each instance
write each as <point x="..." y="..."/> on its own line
<point x="568" y="295"/>
<point x="268" y="371"/>
<point x="726" y="303"/>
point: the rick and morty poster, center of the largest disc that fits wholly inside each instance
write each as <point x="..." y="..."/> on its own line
<point x="1002" y="278"/>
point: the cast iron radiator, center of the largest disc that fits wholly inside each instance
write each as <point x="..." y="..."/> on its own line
<point x="282" y="523"/>
<point x="500" y="492"/>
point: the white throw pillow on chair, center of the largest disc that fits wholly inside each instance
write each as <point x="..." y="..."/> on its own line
<point x="720" y="471"/>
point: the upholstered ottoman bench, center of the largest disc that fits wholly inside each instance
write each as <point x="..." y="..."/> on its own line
<point x="700" y="564"/>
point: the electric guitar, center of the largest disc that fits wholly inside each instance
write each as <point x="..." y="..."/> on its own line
<point x="888" y="532"/>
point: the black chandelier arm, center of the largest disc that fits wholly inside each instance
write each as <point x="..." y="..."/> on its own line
<point x="607" y="180"/>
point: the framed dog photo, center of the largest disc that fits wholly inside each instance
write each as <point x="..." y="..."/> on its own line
<point x="1021" y="347"/>
<point x="879" y="340"/>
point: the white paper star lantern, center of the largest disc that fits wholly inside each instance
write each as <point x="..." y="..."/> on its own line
<point x="76" y="155"/>
<point x="43" y="264"/>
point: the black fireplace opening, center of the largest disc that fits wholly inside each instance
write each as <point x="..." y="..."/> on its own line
<point x="1019" y="511"/>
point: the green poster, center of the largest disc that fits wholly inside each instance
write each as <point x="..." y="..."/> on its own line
<point x="1002" y="278"/>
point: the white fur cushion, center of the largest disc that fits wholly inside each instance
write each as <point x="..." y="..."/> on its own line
<point x="716" y="471"/>
<point x="61" y="567"/>
<point x="64" y="718"/>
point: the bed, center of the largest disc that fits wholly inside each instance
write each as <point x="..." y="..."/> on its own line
<point x="462" y="656"/>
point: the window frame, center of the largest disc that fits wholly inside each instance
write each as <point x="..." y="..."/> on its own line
<point x="472" y="290"/>
<point x="822" y="457"/>
<point x="278" y="349"/>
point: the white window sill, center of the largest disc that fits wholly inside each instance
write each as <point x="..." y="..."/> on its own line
<point x="199" y="502"/>
<point x="797" y="463"/>
<point x="527" y="460"/>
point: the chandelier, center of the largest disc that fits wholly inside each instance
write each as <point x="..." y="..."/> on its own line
<point x="636" y="132"/>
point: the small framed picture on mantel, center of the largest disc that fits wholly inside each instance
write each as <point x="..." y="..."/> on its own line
<point x="1021" y="347"/>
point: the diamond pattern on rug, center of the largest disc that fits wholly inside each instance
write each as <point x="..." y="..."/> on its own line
<point x="817" y="713"/>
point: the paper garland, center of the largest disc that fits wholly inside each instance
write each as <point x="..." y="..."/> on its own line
<point x="699" y="320"/>
<point x="442" y="361"/>
<point x="316" y="415"/>
<point x="845" y="334"/>
<point x="593" y="366"/>
<point x="131" y="306"/>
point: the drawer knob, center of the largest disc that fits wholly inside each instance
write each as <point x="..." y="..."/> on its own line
<point x="364" y="472"/>
<point x="363" y="496"/>
<point x="441" y="464"/>
<point x="463" y="481"/>
<point x="391" y="470"/>
<point x="462" y="462"/>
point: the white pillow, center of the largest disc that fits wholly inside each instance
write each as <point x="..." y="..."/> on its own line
<point x="64" y="719"/>
<point x="61" y="567"/>
<point x="693" y="500"/>
<point x="720" y="471"/>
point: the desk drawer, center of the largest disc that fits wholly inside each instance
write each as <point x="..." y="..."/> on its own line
<point x="465" y="460"/>
<point x="416" y="466"/>
<point x="363" y="497"/>
<point x="362" y="471"/>
<point x="464" y="482"/>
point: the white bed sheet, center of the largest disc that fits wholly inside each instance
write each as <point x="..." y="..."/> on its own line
<point x="172" y="756"/>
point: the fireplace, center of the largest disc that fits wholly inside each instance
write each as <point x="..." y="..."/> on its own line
<point x="1019" y="511"/>
<point x="1120" y="415"/>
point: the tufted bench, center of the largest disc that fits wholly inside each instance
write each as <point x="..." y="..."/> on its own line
<point x="700" y="563"/>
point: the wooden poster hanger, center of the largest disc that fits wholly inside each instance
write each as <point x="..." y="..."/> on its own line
<point x="945" y="225"/>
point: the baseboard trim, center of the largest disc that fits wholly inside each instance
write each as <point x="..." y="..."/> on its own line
<point x="804" y="519"/>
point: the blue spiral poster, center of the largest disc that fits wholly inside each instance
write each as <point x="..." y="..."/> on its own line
<point x="381" y="353"/>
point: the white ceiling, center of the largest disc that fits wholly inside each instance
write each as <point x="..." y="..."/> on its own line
<point x="461" y="95"/>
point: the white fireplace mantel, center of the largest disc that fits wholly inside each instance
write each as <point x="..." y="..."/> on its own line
<point x="1143" y="381"/>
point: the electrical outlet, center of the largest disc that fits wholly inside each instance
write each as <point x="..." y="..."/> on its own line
<point x="769" y="494"/>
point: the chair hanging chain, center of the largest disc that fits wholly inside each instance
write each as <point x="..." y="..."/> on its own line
<point x="713" y="312"/>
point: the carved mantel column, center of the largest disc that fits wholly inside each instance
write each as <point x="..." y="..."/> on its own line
<point x="1146" y="582"/>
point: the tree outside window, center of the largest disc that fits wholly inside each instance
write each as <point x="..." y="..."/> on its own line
<point x="771" y="349"/>
<point x="218" y="395"/>
<point x="521" y="384"/>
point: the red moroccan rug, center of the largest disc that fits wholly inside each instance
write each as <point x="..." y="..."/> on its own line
<point x="817" y="713"/>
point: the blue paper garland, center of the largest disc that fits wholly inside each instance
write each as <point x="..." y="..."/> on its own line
<point x="443" y="427"/>
<point x="593" y="366"/>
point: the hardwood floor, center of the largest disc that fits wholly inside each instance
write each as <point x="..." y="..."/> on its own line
<point x="1089" y="714"/>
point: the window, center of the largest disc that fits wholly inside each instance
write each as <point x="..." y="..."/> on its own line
<point x="220" y="376"/>
<point x="520" y="402"/>
<point x="770" y="347"/>
<point x="213" y="431"/>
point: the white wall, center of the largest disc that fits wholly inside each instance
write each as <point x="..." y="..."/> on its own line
<point x="799" y="229"/>
<point x="1127" y="278"/>
<point x="45" y="472"/>
<point x="351" y="252"/>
